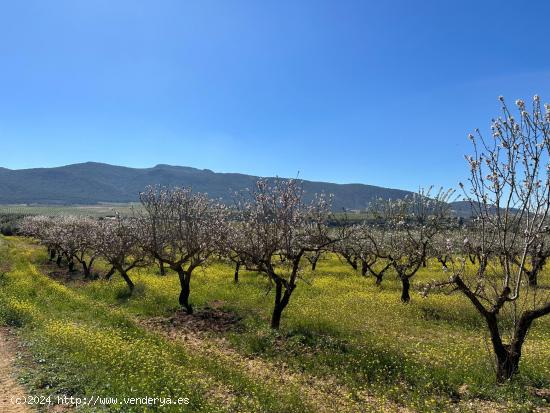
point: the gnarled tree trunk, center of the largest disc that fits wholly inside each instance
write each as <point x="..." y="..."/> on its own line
<point x="110" y="273"/>
<point x="236" y="275"/>
<point x="314" y="259"/>
<point x="507" y="355"/>
<point x="379" y="275"/>
<point x="351" y="262"/>
<point x="537" y="263"/>
<point x="364" y="268"/>
<point x="87" y="268"/>
<point x="124" y="275"/>
<point x="281" y="301"/>
<point x="405" y="287"/>
<point x="185" y="280"/>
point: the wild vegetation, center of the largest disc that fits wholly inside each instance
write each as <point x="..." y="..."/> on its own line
<point x="353" y="337"/>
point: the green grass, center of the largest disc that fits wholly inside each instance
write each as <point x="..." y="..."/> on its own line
<point x="339" y="329"/>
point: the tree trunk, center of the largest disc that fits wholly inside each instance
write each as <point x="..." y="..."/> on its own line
<point x="508" y="361"/>
<point x="58" y="261"/>
<point x="161" y="268"/>
<point x="71" y="266"/>
<point x="52" y="254"/>
<point x="87" y="268"/>
<point x="281" y="301"/>
<point x="236" y="275"/>
<point x="314" y="263"/>
<point x="532" y="278"/>
<point x="364" y="268"/>
<point x="185" y="279"/>
<point x="129" y="282"/>
<point x="351" y="262"/>
<point x="406" y="285"/>
<point x="314" y="260"/>
<point x="537" y="263"/>
<point x="507" y="365"/>
<point x="110" y="273"/>
<point x="378" y="275"/>
<point x="507" y="355"/>
<point x="482" y="265"/>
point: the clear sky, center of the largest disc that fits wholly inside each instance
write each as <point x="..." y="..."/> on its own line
<point x="378" y="92"/>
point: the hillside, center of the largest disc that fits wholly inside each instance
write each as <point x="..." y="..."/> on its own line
<point x="90" y="183"/>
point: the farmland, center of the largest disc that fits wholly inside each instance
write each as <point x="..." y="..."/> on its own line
<point x="98" y="210"/>
<point x="351" y="347"/>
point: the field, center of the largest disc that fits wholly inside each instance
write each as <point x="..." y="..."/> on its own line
<point x="345" y="344"/>
<point x="98" y="210"/>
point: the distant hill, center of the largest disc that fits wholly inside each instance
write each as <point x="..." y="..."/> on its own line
<point x="465" y="209"/>
<point x="462" y="209"/>
<point x="91" y="183"/>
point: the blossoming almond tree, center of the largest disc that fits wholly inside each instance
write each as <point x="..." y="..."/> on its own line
<point x="349" y="244"/>
<point x="38" y="226"/>
<point x="275" y="230"/>
<point x="370" y="247"/>
<point x="181" y="229"/>
<point x="509" y="192"/>
<point x="71" y="237"/>
<point x="405" y="229"/>
<point x="118" y="243"/>
<point x="82" y="232"/>
<point x="539" y="253"/>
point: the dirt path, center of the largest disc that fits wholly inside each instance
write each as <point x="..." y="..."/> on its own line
<point x="8" y="385"/>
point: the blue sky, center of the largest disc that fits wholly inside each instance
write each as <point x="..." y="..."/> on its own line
<point x="379" y="92"/>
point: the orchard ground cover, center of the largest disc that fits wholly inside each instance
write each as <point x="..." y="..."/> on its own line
<point x="345" y="343"/>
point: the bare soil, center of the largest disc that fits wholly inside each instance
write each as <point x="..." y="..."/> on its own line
<point x="203" y="320"/>
<point x="9" y="387"/>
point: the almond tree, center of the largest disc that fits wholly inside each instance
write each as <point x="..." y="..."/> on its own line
<point x="83" y="231"/>
<point x="181" y="229"/>
<point x="366" y="244"/>
<point x="509" y="191"/>
<point x="373" y="251"/>
<point x="37" y="226"/>
<point x="231" y="252"/>
<point x="65" y="236"/>
<point x="539" y="252"/>
<point x="450" y="240"/>
<point x="63" y="233"/>
<point x="313" y="258"/>
<point x="347" y="246"/>
<point x="480" y="244"/>
<point x="406" y="228"/>
<point x="118" y="243"/>
<point x="275" y="230"/>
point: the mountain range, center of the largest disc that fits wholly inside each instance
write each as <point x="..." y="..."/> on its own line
<point x="92" y="183"/>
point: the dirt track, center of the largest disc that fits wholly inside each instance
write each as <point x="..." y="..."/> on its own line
<point x="8" y="385"/>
